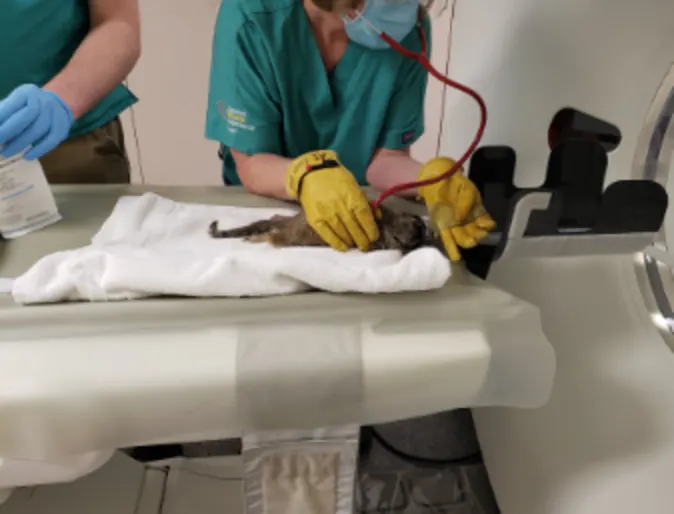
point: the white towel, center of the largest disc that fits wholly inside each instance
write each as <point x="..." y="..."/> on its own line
<point x="6" y="285"/>
<point x="151" y="246"/>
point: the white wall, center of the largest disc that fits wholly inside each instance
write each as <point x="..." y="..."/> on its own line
<point x="165" y="130"/>
<point x="531" y="58"/>
<point x="526" y="57"/>
<point x="171" y="81"/>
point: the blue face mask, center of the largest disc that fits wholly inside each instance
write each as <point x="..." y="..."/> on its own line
<point x="396" y="18"/>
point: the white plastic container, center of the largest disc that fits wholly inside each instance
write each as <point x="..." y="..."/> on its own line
<point x="26" y="201"/>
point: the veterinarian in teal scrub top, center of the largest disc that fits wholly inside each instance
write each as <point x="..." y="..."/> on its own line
<point x="309" y="103"/>
<point x="61" y="92"/>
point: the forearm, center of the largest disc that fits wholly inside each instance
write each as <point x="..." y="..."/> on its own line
<point x="387" y="171"/>
<point x="263" y="174"/>
<point x="103" y="60"/>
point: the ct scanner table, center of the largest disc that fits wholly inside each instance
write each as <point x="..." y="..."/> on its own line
<point x="82" y="379"/>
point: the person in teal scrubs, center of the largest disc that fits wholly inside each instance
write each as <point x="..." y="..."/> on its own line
<point x="61" y="90"/>
<point x="289" y="104"/>
<point x="309" y="103"/>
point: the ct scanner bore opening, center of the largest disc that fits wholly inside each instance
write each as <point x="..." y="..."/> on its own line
<point x="653" y="160"/>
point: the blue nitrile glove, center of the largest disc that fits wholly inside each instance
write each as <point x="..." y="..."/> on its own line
<point x="33" y="117"/>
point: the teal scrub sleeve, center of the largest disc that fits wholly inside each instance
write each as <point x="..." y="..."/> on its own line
<point x="404" y="122"/>
<point x="242" y="112"/>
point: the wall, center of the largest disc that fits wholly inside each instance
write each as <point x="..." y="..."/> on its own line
<point x="528" y="59"/>
<point x="171" y="81"/>
<point x="531" y="58"/>
<point x="165" y="129"/>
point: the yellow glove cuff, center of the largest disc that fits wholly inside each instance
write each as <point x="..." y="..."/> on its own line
<point x="305" y="164"/>
<point x="443" y="216"/>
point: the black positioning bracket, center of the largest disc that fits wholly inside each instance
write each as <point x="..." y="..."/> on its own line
<point x="571" y="214"/>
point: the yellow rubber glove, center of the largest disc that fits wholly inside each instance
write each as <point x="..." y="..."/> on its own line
<point x="455" y="207"/>
<point x="335" y="205"/>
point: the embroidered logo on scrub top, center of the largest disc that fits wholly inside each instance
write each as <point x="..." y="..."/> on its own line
<point x="235" y="118"/>
<point x="407" y="137"/>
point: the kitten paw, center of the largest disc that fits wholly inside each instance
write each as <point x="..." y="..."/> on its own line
<point x="257" y="238"/>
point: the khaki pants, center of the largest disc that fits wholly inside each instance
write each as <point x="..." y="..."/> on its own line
<point x="98" y="157"/>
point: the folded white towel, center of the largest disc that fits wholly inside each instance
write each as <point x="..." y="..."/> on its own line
<point x="152" y="246"/>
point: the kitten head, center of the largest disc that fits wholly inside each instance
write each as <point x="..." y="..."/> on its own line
<point x="403" y="231"/>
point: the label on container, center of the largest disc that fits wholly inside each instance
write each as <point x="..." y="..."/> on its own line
<point x="26" y="201"/>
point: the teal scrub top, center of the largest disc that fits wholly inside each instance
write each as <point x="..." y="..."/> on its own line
<point x="38" y="38"/>
<point x="270" y="92"/>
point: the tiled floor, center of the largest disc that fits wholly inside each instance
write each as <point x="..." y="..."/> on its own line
<point x="189" y="493"/>
<point x="114" y="489"/>
<point x="124" y="486"/>
<point x="213" y="486"/>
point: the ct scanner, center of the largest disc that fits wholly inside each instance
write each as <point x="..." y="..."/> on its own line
<point x="564" y="352"/>
<point x="604" y="442"/>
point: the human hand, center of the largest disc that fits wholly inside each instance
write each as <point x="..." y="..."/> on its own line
<point x="35" y="119"/>
<point x="454" y="207"/>
<point x="335" y="205"/>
